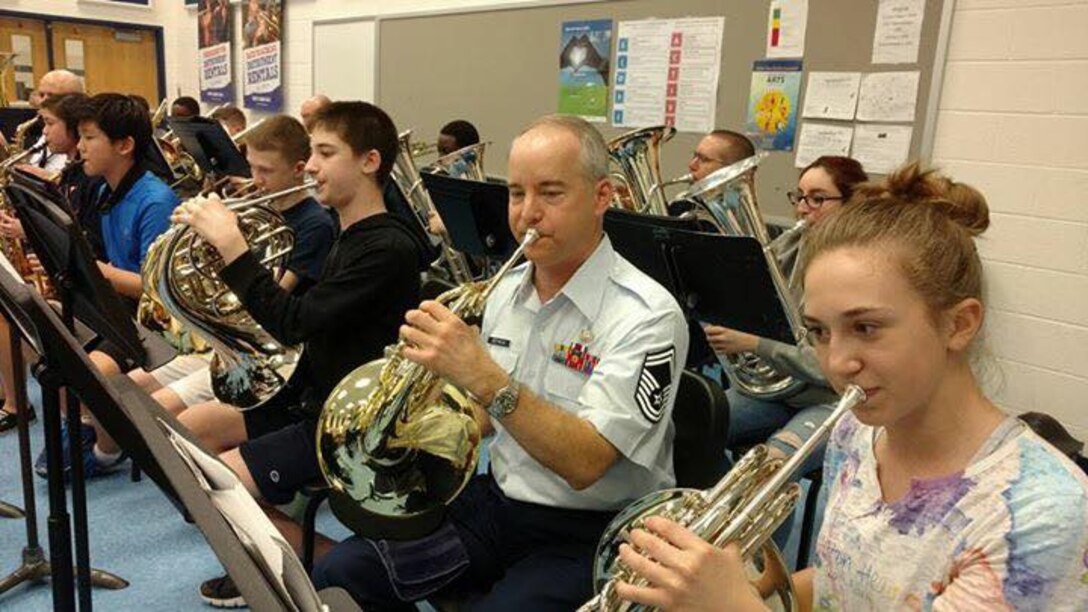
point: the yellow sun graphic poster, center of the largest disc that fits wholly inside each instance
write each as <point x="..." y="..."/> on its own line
<point x="773" y="104"/>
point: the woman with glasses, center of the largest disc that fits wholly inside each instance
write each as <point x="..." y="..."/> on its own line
<point x="785" y="424"/>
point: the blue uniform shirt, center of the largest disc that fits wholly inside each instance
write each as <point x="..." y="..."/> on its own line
<point x="132" y="224"/>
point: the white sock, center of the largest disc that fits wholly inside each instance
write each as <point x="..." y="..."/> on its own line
<point x="106" y="458"/>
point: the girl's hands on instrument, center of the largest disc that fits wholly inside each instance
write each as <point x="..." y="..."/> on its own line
<point x="10" y="226"/>
<point x="217" y="224"/>
<point x="684" y="572"/>
<point x="727" y="341"/>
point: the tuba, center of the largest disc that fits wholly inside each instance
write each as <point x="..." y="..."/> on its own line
<point x="397" y="442"/>
<point x="181" y="272"/>
<point x="406" y="176"/>
<point x="726" y="199"/>
<point x="637" y="155"/>
<point x="744" y="508"/>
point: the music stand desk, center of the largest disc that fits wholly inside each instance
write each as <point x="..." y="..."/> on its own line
<point x="210" y="146"/>
<point x="474" y="213"/>
<point x="129" y="414"/>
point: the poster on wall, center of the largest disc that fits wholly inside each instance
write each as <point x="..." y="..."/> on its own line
<point x="667" y="73"/>
<point x="773" y="104"/>
<point x="584" y="51"/>
<point x="213" y="34"/>
<point x="262" y="88"/>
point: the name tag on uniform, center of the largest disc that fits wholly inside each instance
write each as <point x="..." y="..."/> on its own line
<point x="575" y="356"/>
<point x="496" y="341"/>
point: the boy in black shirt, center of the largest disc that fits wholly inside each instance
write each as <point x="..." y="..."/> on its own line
<point x="371" y="278"/>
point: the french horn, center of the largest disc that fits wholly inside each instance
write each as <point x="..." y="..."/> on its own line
<point x="395" y="441"/>
<point x="181" y="272"/>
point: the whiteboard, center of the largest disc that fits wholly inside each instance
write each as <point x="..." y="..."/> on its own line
<point x="344" y="59"/>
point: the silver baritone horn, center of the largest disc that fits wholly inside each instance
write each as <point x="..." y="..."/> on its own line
<point x="744" y="508"/>
<point x="406" y="175"/>
<point x="636" y="156"/>
<point x="181" y="271"/>
<point x="395" y="441"/>
<point x="726" y="198"/>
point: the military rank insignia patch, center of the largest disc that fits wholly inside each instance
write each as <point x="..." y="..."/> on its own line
<point x="655" y="383"/>
<point x="575" y="356"/>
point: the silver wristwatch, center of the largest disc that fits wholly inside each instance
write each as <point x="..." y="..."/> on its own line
<point x="505" y="400"/>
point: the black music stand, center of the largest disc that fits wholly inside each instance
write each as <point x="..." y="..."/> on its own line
<point x="724" y="280"/>
<point x="475" y="215"/>
<point x="58" y="241"/>
<point x="210" y="145"/>
<point x="131" y="415"/>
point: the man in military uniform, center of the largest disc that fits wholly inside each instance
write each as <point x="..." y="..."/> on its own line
<point x="576" y="366"/>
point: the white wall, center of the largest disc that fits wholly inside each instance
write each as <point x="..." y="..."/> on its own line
<point x="1013" y="121"/>
<point x="165" y="13"/>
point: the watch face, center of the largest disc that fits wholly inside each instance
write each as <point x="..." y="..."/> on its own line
<point x="504" y="403"/>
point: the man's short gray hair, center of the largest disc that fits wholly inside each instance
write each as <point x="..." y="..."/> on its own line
<point x="593" y="153"/>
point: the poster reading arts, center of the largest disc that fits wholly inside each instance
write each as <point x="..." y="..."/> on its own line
<point x="213" y="36"/>
<point x="262" y="54"/>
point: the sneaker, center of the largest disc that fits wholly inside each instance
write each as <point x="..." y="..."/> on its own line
<point x="88" y="436"/>
<point x="93" y="467"/>
<point x="221" y="593"/>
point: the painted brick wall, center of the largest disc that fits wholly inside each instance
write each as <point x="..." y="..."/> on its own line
<point x="1013" y="122"/>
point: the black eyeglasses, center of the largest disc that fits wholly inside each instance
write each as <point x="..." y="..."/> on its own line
<point x="813" y="201"/>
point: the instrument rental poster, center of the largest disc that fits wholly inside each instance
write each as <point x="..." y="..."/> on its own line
<point x="667" y="73"/>
<point x="584" y="51"/>
<point x="773" y="104"/>
<point x="213" y="32"/>
<point x="262" y="88"/>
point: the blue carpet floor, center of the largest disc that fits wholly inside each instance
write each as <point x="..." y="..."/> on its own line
<point x="135" y="533"/>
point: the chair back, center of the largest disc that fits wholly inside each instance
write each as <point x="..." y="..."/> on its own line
<point x="701" y="418"/>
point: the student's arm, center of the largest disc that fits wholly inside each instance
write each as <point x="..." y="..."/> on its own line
<point x="128" y="284"/>
<point x="802" y="588"/>
<point x="288" y="281"/>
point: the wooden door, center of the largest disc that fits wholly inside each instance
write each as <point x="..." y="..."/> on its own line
<point x="113" y="59"/>
<point x="14" y="32"/>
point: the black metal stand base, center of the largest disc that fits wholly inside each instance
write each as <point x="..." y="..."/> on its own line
<point x="9" y="511"/>
<point x="35" y="569"/>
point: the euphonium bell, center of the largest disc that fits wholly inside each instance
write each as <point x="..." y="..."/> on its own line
<point x="637" y="154"/>
<point x="464" y="163"/>
<point x="744" y="508"/>
<point x="406" y="175"/>
<point x="726" y="198"/>
<point x="395" y="441"/>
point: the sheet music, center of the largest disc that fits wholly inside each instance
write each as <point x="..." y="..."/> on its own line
<point x="256" y="532"/>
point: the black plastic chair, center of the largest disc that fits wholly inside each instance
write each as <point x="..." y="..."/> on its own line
<point x="701" y="419"/>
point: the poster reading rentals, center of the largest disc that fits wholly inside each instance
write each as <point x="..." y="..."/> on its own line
<point x="261" y="34"/>
<point x="213" y="31"/>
